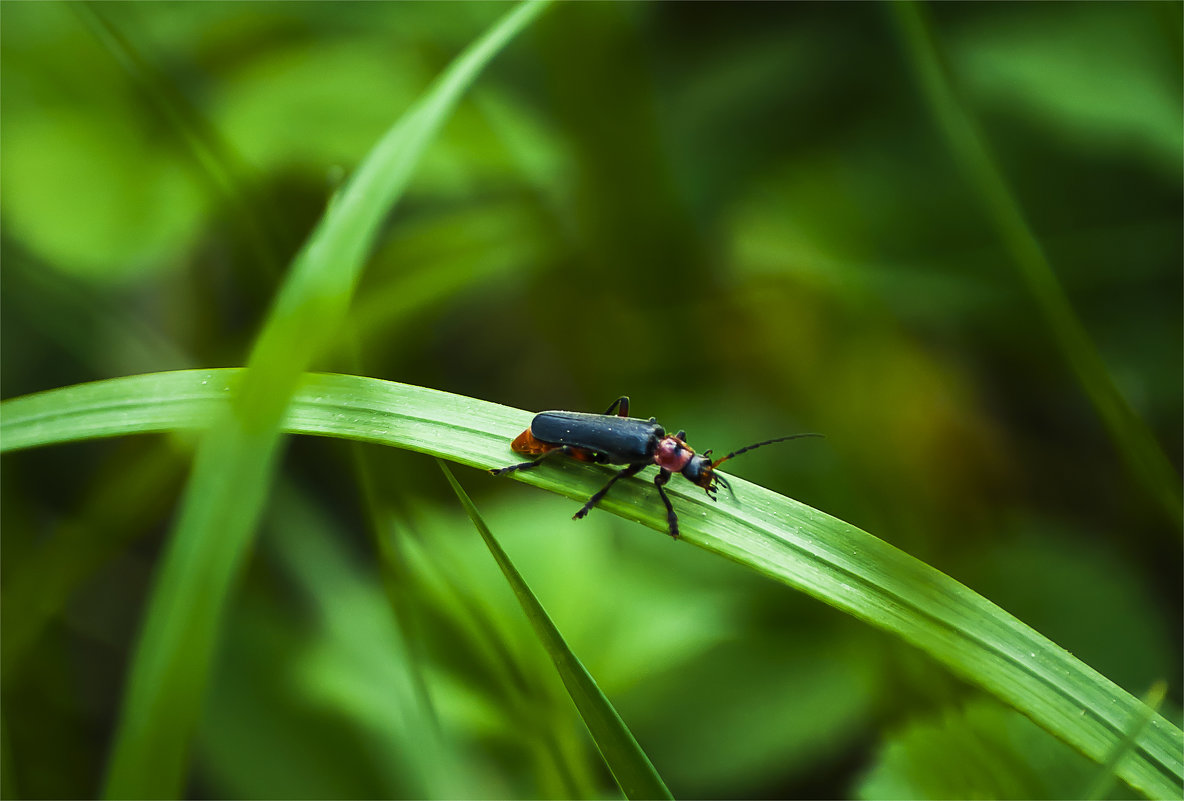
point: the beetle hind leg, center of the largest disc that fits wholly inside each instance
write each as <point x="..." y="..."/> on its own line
<point x="563" y="450"/>
<point x="619" y="407"/>
<point x="631" y="470"/>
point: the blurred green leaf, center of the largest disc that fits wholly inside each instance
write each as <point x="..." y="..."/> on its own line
<point x="982" y="750"/>
<point x="127" y="203"/>
<point x="796" y="704"/>
<point x="118" y="508"/>
<point x="1097" y="83"/>
<point x="259" y="735"/>
<point x="324" y="104"/>
<point x="361" y="667"/>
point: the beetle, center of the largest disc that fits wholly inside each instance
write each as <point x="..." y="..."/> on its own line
<point x="616" y="438"/>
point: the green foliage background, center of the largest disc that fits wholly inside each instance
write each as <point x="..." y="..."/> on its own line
<point x="744" y="216"/>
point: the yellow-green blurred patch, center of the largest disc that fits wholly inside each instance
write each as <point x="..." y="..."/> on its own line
<point x="94" y="194"/>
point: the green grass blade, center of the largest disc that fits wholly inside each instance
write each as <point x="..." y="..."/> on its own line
<point x="1133" y="440"/>
<point x="629" y="764"/>
<point x="798" y="546"/>
<point x="235" y="459"/>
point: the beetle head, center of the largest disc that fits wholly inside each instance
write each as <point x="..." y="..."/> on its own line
<point x="700" y="470"/>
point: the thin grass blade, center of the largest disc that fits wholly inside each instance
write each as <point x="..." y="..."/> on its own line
<point x="629" y="764"/>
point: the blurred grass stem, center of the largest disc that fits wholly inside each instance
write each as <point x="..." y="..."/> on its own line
<point x="235" y="460"/>
<point x="1137" y="445"/>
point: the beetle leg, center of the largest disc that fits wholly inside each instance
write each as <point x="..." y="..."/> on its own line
<point x="631" y="470"/>
<point x="671" y="518"/>
<point x="619" y="407"/>
<point x="563" y="450"/>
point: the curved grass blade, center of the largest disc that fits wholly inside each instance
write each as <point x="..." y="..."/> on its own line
<point x="629" y="764"/>
<point x="235" y="458"/>
<point x="792" y="543"/>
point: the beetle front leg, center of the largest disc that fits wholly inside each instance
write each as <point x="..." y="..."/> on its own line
<point x="631" y="470"/>
<point x="671" y="518"/>
<point x="563" y="450"/>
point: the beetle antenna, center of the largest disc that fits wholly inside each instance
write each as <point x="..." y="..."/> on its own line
<point x="718" y="462"/>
